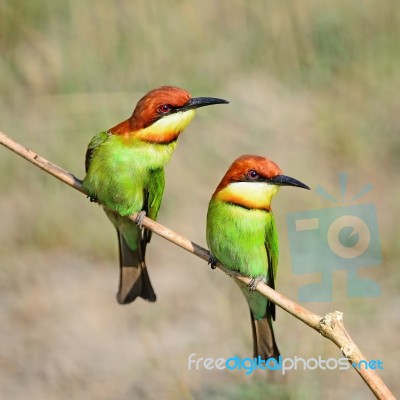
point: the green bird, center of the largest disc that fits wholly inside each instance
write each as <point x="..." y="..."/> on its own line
<point x="241" y="234"/>
<point x="125" y="174"/>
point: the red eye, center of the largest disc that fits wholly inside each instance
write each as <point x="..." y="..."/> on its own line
<point x="164" y="108"/>
<point x="252" y="175"/>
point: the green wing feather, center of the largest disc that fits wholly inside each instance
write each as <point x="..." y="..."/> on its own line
<point x="153" y="196"/>
<point x="96" y="141"/>
<point x="272" y="249"/>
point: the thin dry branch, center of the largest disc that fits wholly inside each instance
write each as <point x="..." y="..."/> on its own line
<point x="330" y="326"/>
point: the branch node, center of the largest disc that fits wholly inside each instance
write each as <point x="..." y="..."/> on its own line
<point x="348" y="350"/>
<point x="331" y="320"/>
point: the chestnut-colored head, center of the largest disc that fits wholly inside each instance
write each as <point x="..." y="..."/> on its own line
<point x="158" y="103"/>
<point x="251" y="182"/>
<point x="162" y="114"/>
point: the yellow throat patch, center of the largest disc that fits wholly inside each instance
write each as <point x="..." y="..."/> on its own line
<point x="167" y="128"/>
<point x="252" y="195"/>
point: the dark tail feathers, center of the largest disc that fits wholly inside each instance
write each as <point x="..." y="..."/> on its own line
<point x="134" y="279"/>
<point x="264" y="344"/>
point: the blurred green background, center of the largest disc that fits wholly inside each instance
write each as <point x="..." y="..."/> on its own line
<point x="313" y="85"/>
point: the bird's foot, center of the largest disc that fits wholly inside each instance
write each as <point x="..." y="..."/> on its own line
<point x="92" y="198"/>
<point x="139" y="219"/>
<point x="212" y="261"/>
<point x="254" y="282"/>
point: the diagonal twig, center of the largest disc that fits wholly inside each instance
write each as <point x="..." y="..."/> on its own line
<point x="330" y="326"/>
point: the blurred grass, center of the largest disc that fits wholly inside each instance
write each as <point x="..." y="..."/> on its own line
<point x="313" y="85"/>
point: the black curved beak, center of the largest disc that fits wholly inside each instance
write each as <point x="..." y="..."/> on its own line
<point x="283" y="180"/>
<point x="197" y="102"/>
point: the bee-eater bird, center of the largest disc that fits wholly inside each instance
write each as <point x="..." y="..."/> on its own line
<point x="241" y="234"/>
<point x="125" y="174"/>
